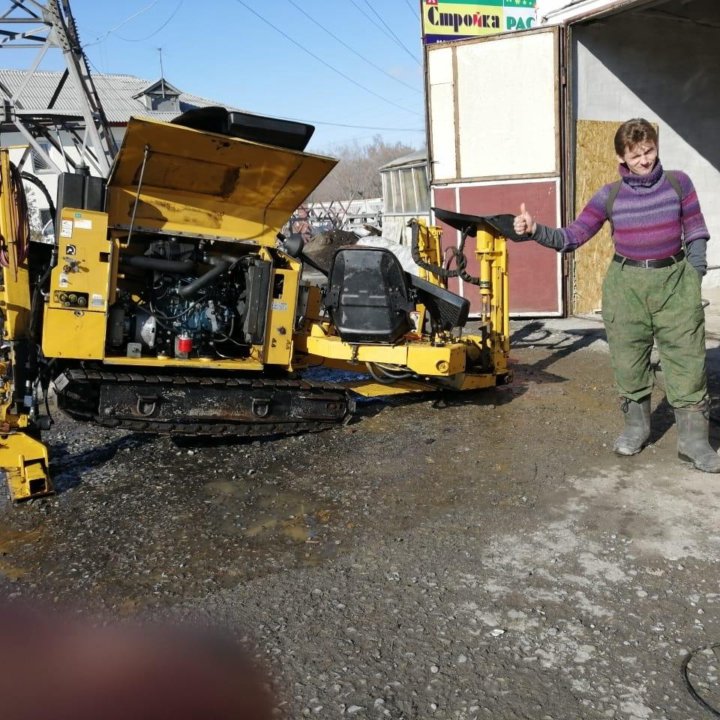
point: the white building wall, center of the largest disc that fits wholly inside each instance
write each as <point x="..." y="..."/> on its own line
<point x="441" y="91"/>
<point x="493" y="107"/>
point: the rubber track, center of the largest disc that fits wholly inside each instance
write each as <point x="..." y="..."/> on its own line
<point x="210" y="429"/>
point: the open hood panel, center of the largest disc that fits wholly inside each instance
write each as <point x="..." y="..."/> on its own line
<point x="176" y="179"/>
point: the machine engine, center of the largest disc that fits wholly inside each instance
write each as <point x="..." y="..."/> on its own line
<point x="181" y="300"/>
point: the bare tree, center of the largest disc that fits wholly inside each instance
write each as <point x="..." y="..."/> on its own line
<point x="357" y="175"/>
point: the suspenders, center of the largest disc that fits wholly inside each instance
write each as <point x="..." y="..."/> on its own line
<point x="615" y="189"/>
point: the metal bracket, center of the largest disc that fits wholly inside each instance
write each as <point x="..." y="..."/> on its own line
<point x="261" y="407"/>
<point x="147" y="405"/>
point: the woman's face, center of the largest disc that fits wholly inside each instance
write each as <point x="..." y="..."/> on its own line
<point x="640" y="159"/>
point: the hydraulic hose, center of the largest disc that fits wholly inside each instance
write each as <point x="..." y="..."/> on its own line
<point x="159" y="264"/>
<point x="457" y="253"/>
<point x="385" y="376"/>
<point x="36" y="302"/>
<point x="218" y="268"/>
<point x="441" y="272"/>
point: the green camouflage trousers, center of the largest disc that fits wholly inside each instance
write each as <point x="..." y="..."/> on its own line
<point x="664" y="304"/>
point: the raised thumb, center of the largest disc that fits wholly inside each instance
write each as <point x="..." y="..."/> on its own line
<point x="522" y="209"/>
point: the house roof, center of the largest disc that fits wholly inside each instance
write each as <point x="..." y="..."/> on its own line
<point x="160" y="87"/>
<point x="414" y="158"/>
<point x="120" y="95"/>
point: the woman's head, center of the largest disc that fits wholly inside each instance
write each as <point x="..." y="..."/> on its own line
<point x="636" y="144"/>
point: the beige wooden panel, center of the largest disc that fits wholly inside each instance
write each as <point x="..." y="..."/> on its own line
<point x="595" y="165"/>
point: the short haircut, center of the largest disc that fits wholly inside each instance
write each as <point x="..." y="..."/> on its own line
<point x="632" y="132"/>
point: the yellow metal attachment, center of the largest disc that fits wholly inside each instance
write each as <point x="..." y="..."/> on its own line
<point x="25" y="463"/>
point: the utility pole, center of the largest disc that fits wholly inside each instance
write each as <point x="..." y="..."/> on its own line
<point x="28" y="24"/>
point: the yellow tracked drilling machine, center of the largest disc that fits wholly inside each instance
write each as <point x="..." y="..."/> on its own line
<point x="169" y="302"/>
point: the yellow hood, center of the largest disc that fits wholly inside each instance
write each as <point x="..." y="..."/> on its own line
<point x="204" y="184"/>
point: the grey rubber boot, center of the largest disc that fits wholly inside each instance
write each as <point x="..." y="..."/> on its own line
<point x="637" y="427"/>
<point x="693" y="426"/>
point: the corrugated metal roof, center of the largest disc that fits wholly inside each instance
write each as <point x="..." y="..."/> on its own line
<point x="120" y="95"/>
<point x="558" y="12"/>
<point x="413" y="158"/>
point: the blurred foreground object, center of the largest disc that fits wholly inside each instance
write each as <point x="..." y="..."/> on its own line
<point x="63" y="670"/>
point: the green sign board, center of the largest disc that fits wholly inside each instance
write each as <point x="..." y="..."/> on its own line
<point x="459" y="19"/>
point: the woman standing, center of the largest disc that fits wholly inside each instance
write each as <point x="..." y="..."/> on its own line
<point x="651" y="292"/>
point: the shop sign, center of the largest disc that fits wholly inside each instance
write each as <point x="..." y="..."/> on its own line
<point x="459" y="19"/>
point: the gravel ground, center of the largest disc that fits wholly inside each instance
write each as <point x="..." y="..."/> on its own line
<point x="477" y="557"/>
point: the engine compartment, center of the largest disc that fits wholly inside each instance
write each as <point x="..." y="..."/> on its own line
<point x="184" y="299"/>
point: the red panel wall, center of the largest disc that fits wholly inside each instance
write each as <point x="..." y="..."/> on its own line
<point x="533" y="269"/>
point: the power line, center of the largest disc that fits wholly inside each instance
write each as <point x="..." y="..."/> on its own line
<point x="357" y="127"/>
<point x="371" y="19"/>
<point x="350" y="48"/>
<point x="101" y="38"/>
<point x="384" y="28"/>
<point x="320" y="60"/>
<point x="108" y="87"/>
<point x="155" y="32"/>
<point x="413" y="10"/>
<point x="392" y="32"/>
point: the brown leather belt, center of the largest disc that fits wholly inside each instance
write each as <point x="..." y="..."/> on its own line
<point x="665" y="262"/>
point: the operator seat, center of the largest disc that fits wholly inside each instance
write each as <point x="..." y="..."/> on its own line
<point x="368" y="297"/>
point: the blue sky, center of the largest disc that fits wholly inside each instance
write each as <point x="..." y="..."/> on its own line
<point x="351" y="67"/>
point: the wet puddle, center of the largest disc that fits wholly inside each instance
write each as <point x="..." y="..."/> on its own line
<point x="10" y="540"/>
<point x="266" y="515"/>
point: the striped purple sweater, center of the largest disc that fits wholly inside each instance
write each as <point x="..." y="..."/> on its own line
<point x="646" y="215"/>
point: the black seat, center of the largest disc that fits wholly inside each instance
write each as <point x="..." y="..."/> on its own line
<point x="367" y="297"/>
